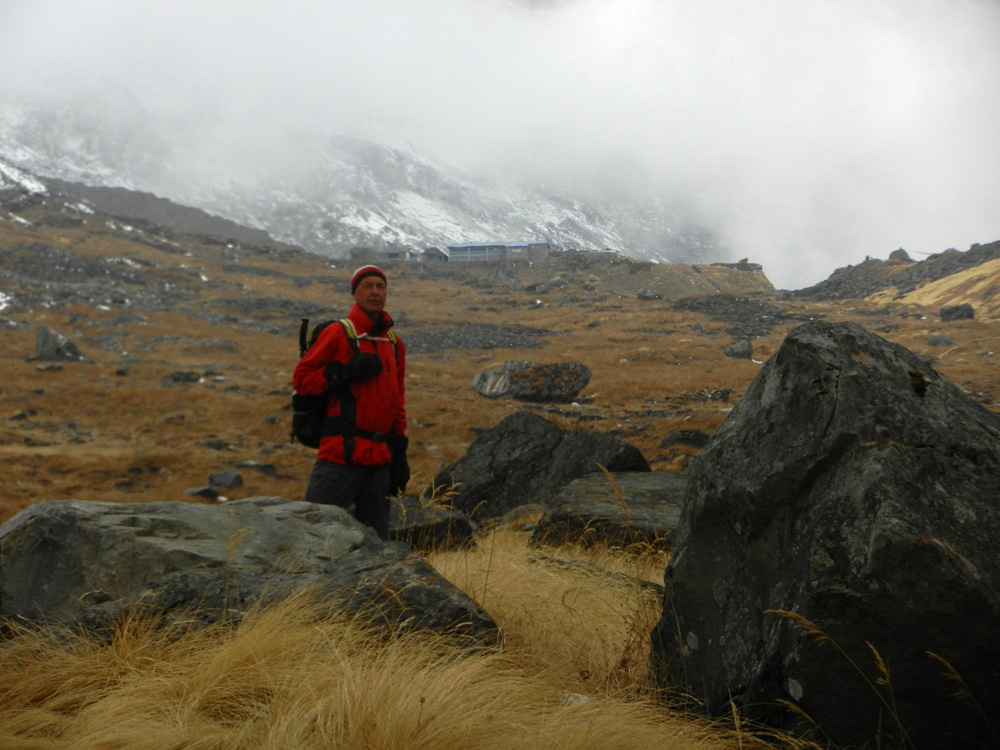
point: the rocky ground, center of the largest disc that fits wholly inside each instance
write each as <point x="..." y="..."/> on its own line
<point x="191" y="339"/>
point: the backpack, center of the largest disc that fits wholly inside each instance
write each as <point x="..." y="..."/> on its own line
<point x="309" y="412"/>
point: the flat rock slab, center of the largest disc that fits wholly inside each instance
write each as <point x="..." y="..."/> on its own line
<point x="91" y="562"/>
<point x="623" y="509"/>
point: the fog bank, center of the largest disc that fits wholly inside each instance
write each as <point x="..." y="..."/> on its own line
<point x="806" y="135"/>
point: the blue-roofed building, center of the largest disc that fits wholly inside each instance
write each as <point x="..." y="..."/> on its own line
<point x="496" y="251"/>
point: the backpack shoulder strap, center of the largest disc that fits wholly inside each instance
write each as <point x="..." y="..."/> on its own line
<point x="351" y="333"/>
<point x="352" y="337"/>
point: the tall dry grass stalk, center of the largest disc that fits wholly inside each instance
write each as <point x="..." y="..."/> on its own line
<point x="286" y="678"/>
<point x="586" y="632"/>
<point x="880" y="683"/>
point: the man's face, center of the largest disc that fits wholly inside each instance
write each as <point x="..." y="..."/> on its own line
<point x="370" y="295"/>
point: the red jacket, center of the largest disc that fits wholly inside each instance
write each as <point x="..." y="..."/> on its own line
<point x="380" y="400"/>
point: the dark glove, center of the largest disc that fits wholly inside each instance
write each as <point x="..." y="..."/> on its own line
<point x="358" y="367"/>
<point x="399" y="470"/>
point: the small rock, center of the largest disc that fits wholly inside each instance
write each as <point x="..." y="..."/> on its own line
<point x="940" y="340"/>
<point x="558" y="282"/>
<point x="957" y="312"/>
<point x="229" y="479"/>
<point x="267" y="470"/>
<point x="692" y="438"/>
<point x="209" y="493"/>
<point x="739" y="349"/>
<point x="50" y="345"/>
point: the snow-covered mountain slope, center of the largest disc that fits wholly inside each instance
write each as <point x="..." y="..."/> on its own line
<point x="344" y="193"/>
<point x="12" y="178"/>
<point x="363" y="193"/>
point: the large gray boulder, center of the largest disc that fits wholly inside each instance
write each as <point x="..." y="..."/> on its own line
<point x="855" y="492"/>
<point x="527" y="381"/>
<point x="526" y="459"/>
<point x="90" y="562"/>
<point x="623" y="509"/>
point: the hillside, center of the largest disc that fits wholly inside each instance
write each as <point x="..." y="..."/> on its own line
<point x="947" y="278"/>
<point x="192" y="339"/>
<point x="978" y="286"/>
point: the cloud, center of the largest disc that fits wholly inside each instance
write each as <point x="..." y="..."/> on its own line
<point x="808" y="135"/>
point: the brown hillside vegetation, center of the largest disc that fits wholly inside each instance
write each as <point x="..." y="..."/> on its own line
<point x="125" y="428"/>
<point x="120" y="428"/>
<point x="978" y="286"/>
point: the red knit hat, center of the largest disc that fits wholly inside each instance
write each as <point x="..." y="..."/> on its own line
<point x="366" y="271"/>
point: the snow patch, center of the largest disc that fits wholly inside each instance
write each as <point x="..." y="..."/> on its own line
<point x="122" y="227"/>
<point x="125" y="261"/>
<point x="11" y="177"/>
<point x="428" y="214"/>
<point x="367" y="221"/>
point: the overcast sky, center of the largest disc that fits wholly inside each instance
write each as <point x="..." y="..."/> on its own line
<point x="808" y="134"/>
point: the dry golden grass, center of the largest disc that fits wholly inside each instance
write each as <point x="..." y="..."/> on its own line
<point x="975" y="285"/>
<point x="288" y="678"/>
<point x="588" y="633"/>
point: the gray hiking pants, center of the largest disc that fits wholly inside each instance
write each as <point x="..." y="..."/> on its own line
<point x="362" y="490"/>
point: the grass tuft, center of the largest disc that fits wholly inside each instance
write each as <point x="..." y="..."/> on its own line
<point x="571" y="673"/>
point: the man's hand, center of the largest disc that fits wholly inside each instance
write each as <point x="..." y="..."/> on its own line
<point x="359" y="367"/>
<point x="364" y="365"/>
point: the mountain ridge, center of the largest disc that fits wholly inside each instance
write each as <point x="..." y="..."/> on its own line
<point x="344" y="192"/>
<point x="949" y="277"/>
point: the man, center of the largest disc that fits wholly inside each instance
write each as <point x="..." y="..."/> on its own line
<point x="362" y="455"/>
